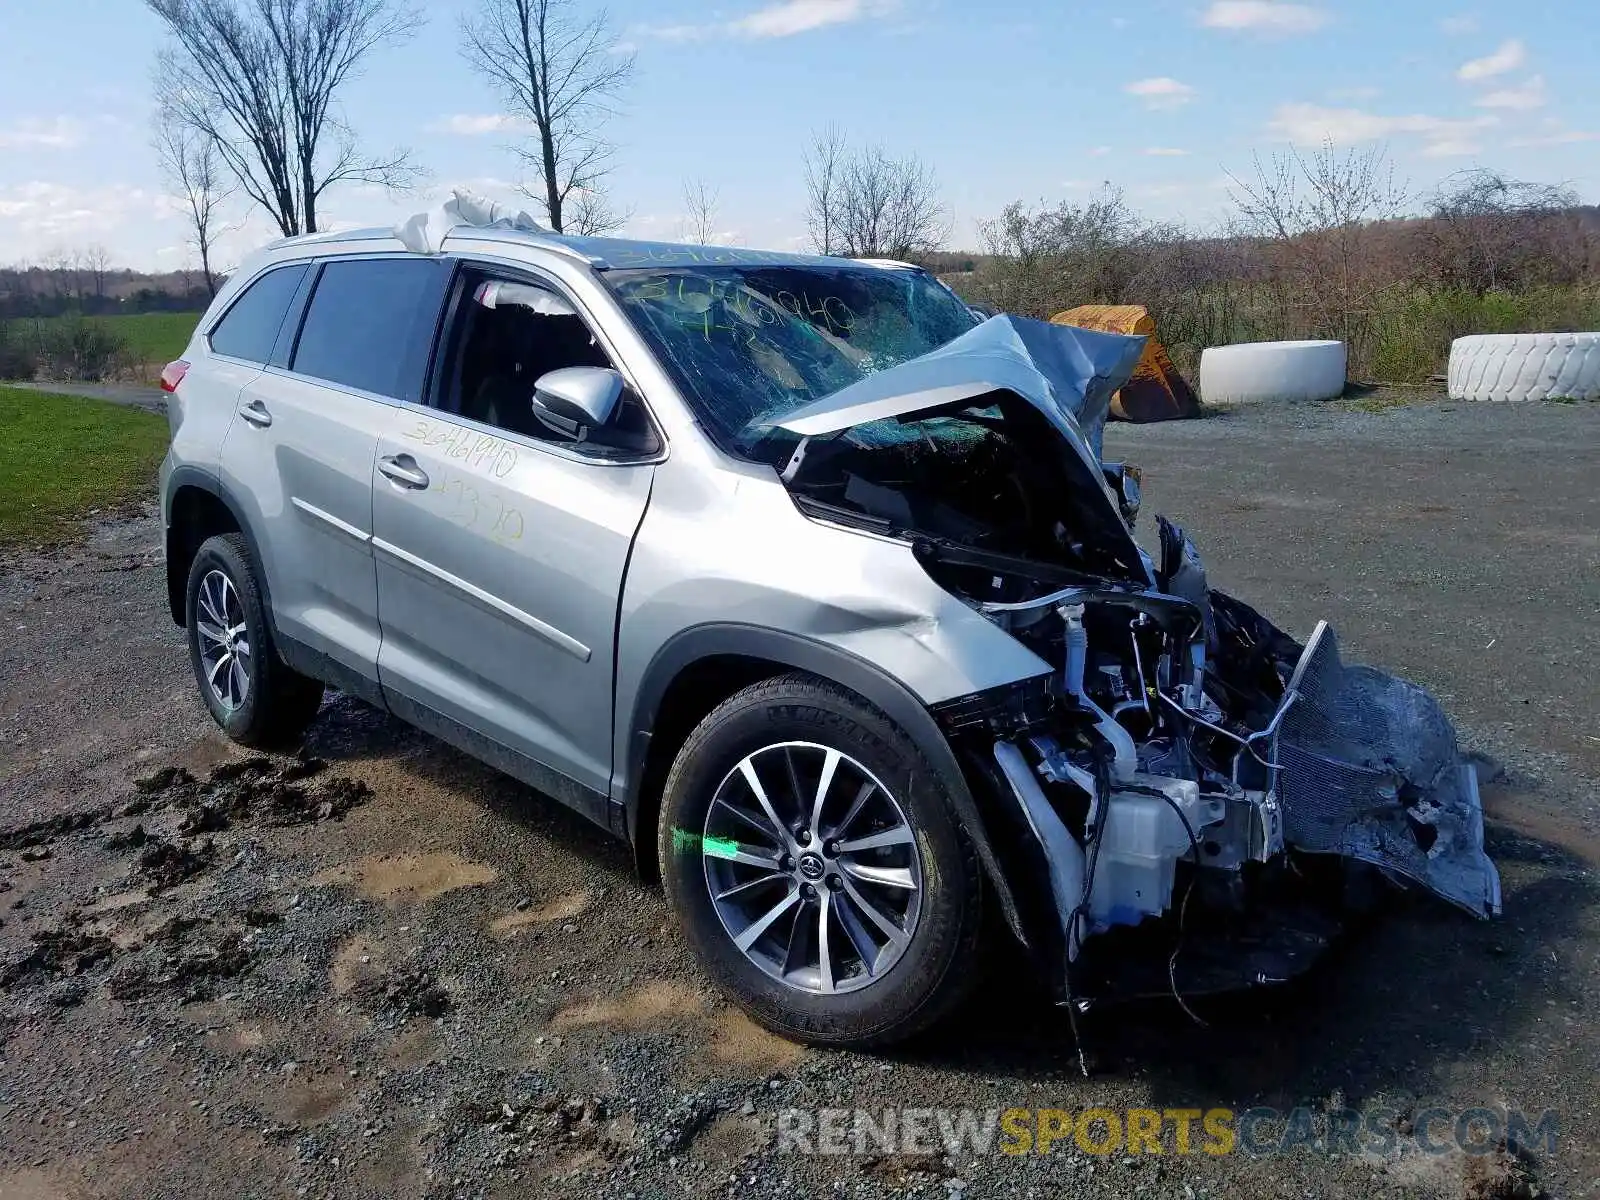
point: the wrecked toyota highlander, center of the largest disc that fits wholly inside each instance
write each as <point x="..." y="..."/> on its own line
<point x="808" y="583"/>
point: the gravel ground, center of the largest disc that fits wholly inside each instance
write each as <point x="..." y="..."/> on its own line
<point x="375" y="968"/>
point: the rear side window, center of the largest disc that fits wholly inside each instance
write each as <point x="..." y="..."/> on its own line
<point x="250" y="327"/>
<point x="367" y="321"/>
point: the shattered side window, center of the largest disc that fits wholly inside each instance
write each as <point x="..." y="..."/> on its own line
<point x="748" y="345"/>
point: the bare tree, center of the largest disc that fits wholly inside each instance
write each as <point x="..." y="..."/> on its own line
<point x="560" y="72"/>
<point x="1315" y="215"/>
<point x="190" y="162"/>
<point x="589" y="213"/>
<point x="824" y="161"/>
<point x="867" y="204"/>
<point x="97" y="263"/>
<point x="259" y="80"/>
<point x="701" y="203"/>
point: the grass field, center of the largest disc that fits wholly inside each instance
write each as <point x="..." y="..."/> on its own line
<point x="152" y="339"/>
<point x="63" y="456"/>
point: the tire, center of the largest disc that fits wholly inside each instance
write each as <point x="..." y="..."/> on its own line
<point x="1272" y="371"/>
<point x="882" y="790"/>
<point x="1525" y="366"/>
<point x="259" y="701"/>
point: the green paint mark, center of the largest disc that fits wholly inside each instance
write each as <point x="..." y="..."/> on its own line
<point x="685" y="841"/>
<point x="720" y="847"/>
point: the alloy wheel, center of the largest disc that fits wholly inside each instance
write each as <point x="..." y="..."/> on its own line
<point x="812" y="867"/>
<point x="224" y="640"/>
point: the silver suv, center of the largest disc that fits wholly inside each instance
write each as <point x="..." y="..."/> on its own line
<point x="804" y="580"/>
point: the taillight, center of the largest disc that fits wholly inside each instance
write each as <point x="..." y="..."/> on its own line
<point x="172" y="375"/>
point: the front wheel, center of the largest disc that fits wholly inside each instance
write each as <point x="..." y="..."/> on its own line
<point x="256" y="698"/>
<point x="816" y="865"/>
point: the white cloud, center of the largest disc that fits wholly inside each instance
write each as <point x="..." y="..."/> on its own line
<point x="1311" y="124"/>
<point x="1564" y="137"/>
<point x="1459" y="25"/>
<point x="1264" y="16"/>
<point x="1508" y="57"/>
<point x="1451" y="147"/>
<point x="798" y="16"/>
<point x="40" y="213"/>
<point x="1559" y="136"/>
<point x="786" y="18"/>
<point x="1099" y="151"/>
<point x="1160" y="92"/>
<point x="1165" y="152"/>
<point x="46" y="133"/>
<point x="1529" y="96"/>
<point x="477" y="124"/>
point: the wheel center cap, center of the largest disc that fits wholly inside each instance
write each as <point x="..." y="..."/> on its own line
<point x="811" y="866"/>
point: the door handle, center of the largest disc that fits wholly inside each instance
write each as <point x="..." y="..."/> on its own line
<point x="403" y="470"/>
<point x="256" y="413"/>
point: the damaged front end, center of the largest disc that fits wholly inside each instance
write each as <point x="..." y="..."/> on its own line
<point x="1187" y="773"/>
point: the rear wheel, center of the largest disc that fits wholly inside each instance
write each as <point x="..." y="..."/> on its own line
<point x="816" y="865"/>
<point x="251" y="693"/>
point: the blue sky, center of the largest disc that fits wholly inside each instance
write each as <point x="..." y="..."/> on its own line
<point x="1005" y="100"/>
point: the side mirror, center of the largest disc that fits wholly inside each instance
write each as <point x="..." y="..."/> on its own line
<point x="574" y="400"/>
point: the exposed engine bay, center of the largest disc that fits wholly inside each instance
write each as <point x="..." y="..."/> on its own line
<point x="1185" y="763"/>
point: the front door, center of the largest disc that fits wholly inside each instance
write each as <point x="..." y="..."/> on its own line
<point x="501" y="546"/>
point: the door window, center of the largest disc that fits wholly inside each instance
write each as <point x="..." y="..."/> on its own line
<point x="504" y="336"/>
<point x="250" y="326"/>
<point x="369" y="324"/>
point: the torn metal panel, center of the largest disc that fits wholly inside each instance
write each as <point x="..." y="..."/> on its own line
<point x="1371" y="771"/>
<point x="1069" y="374"/>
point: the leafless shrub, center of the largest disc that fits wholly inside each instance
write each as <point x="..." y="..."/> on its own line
<point x="1492" y="232"/>
<point x="560" y="72"/>
<point x="1045" y="259"/>
<point x="259" y="81"/>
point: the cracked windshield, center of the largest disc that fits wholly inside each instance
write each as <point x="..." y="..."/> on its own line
<point x="748" y="345"/>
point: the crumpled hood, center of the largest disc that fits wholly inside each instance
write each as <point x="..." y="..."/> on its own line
<point x="1067" y="373"/>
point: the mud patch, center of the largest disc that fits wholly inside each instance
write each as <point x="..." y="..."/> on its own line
<point x="905" y="1171"/>
<point x="408" y="993"/>
<point x="37" y="833"/>
<point x="190" y="970"/>
<point x="737" y="1041"/>
<point x="636" y="1009"/>
<point x="418" y="1046"/>
<point x="1496" y="1175"/>
<point x="165" y="864"/>
<point x="56" y="953"/>
<point x="729" y="1140"/>
<point x="359" y="961"/>
<point x="1531" y="821"/>
<point x="313" y="1101"/>
<point x="563" y="908"/>
<point x="407" y="878"/>
<point x="258" y="789"/>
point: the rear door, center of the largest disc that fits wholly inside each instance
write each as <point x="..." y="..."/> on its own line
<point x="300" y="452"/>
<point x="501" y="546"/>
